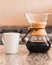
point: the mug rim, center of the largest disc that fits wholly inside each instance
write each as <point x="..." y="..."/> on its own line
<point x="12" y="33"/>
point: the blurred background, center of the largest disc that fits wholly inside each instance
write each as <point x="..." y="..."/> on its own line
<point x="12" y="12"/>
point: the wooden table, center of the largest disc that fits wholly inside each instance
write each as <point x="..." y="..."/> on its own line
<point x="24" y="57"/>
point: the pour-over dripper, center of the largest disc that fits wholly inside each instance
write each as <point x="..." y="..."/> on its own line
<point x="38" y="21"/>
<point x="32" y="18"/>
<point x="35" y="20"/>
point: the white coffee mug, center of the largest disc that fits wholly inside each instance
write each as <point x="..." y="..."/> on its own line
<point x="11" y="42"/>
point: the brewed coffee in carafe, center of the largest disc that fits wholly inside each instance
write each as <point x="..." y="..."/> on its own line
<point x="38" y="41"/>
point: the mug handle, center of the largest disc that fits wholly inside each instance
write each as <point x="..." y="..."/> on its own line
<point x="3" y="40"/>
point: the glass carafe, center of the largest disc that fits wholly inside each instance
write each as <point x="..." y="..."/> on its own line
<point x="38" y="41"/>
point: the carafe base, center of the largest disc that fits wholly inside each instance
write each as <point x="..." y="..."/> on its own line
<point x="38" y="47"/>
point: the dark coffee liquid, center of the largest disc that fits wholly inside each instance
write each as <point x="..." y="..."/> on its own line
<point x="38" y="47"/>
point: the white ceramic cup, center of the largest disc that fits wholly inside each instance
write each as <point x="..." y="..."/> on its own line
<point x="11" y="42"/>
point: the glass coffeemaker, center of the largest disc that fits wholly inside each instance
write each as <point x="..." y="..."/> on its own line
<point x="38" y="41"/>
